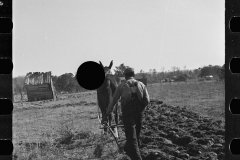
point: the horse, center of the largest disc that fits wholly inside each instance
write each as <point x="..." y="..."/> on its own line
<point x="106" y="91"/>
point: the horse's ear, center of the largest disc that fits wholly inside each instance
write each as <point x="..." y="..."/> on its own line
<point x="101" y="63"/>
<point x="110" y="66"/>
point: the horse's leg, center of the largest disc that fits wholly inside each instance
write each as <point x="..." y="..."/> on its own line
<point x="116" y="120"/>
<point x="116" y="128"/>
<point x="105" y="129"/>
<point x="103" y="115"/>
<point x="116" y="117"/>
<point x="110" y="119"/>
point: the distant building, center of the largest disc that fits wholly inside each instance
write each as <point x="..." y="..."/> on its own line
<point x="167" y="80"/>
<point x="39" y="86"/>
<point x="210" y="77"/>
<point x="180" y="78"/>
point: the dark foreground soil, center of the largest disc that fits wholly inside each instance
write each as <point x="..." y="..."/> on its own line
<point x="174" y="133"/>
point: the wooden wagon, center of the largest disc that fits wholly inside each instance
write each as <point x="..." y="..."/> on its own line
<point x="39" y="86"/>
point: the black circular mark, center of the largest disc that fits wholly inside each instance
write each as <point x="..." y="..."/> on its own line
<point x="90" y="75"/>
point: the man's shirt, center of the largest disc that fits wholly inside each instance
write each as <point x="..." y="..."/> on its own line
<point x="123" y="91"/>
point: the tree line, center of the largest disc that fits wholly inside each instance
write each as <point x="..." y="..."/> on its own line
<point x="68" y="83"/>
<point x="154" y="77"/>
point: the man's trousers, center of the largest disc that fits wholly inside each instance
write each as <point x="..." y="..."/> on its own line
<point x="132" y="125"/>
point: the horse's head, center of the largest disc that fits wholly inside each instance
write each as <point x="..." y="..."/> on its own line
<point x="114" y="79"/>
<point x="107" y="69"/>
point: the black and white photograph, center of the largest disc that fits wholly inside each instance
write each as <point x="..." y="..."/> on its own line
<point x="118" y="80"/>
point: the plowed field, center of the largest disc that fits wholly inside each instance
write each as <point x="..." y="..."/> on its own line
<point x="177" y="133"/>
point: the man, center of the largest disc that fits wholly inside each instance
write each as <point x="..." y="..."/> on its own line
<point x="134" y="99"/>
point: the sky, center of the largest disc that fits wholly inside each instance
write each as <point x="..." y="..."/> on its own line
<point x="60" y="35"/>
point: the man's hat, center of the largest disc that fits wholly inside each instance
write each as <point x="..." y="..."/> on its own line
<point x="129" y="70"/>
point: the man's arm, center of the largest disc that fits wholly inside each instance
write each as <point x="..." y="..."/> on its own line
<point x="145" y="94"/>
<point x="114" y="100"/>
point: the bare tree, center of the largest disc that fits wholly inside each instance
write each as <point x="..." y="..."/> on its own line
<point x="162" y="69"/>
<point x="173" y="68"/>
<point x="178" y="72"/>
<point x="143" y="74"/>
<point x="154" y="75"/>
<point x="18" y="85"/>
<point x="120" y="69"/>
<point x="150" y="71"/>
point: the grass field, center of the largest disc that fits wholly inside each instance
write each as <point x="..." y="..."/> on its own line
<point x="40" y="127"/>
<point x="207" y="98"/>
